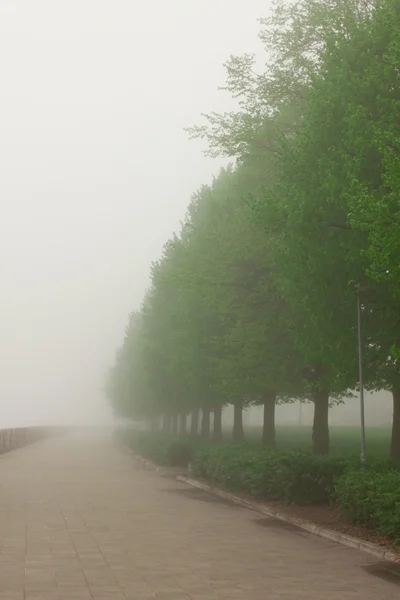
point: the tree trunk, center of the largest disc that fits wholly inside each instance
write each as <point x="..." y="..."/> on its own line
<point x="174" y="428"/>
<point x="194" y="425"/>
<point x="205" y="423"/>
<point x="217" y="429"/>
<point x="395" y="442"/>
<point x="166" y="424"/>
<point x="183" y="424"/>
<point x="320" y="432"/>
<point x="238" y="431"/>
<point x="268" y="434"/>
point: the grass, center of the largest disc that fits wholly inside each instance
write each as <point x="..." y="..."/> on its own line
<point x="344" y="440"/>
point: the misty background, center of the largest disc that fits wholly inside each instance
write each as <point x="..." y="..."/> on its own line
<point x="96" y="173"/>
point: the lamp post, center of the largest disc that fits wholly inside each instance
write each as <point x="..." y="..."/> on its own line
<point x="361" y="379"/>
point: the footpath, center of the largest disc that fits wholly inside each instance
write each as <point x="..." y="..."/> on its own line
<point x="81" y="519"/>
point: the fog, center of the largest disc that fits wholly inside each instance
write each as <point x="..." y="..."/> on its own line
<point x="378" y="412"/>
<point x="96" y="172"/>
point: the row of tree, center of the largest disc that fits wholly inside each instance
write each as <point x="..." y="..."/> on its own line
<point x="255" y="301"/>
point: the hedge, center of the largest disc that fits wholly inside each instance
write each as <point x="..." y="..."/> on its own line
<point x="293" y="477"/>
<point x="161" y="448"/>
<point x="368" y="496"/>
<point x="371" y="498"/>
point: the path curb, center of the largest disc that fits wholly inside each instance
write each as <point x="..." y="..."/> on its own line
<point x="330" y="534"/>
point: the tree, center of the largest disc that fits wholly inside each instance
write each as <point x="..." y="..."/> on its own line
<point x="272" y="108"/>
<point x="320" y="252"/>
<point x="254" y="302"/>
<point x="294" y="38"/>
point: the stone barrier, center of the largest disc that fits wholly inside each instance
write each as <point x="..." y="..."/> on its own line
<point x="18" y="437"/>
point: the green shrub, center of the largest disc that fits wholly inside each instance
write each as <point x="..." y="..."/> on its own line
<point x="161" y="448"/>
<point x="238" y="468"/>
<point x="311" y="478"/>
<point x="371" y="498"/>
<point x="179" y="453"/>
<point x="368" y="496"/>
<point x="295" y="478"/>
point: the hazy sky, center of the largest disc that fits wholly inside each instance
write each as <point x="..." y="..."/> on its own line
<point x="96" y="173"/>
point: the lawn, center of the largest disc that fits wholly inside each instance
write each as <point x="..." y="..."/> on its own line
<point x="344" y="440"/>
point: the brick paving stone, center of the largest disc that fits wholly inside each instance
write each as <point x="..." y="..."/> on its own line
<point x="81" y="519"/>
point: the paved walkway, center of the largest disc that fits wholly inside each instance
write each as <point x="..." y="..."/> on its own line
<point x="80" y="520"/>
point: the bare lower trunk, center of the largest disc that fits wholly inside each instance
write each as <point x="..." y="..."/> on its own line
<point x="395" y="442"/>
<point x="174" y="427"/>
<point x="205" y="423"/>
<point x="238" y="431"/>
<point x="217" y="429"/>
<point x="269" y="434"/>
<point x="320" y="433"/>
<point x="194" y="425"/>
<point x="183" y="424"/>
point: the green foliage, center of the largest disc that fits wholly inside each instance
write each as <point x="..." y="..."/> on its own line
<point x="368" y="495"/>
<point x="160" y="448"/>
<point x="240" y="469"/>
<point x="372" y="498"/>
<point x="255" y="297"/>
<point x="312" y="477"/>
<point x="293" y="37"/>
<point x="294" y="477"/>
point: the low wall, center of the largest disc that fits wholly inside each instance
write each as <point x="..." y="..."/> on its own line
<point x="11" y="439"/>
